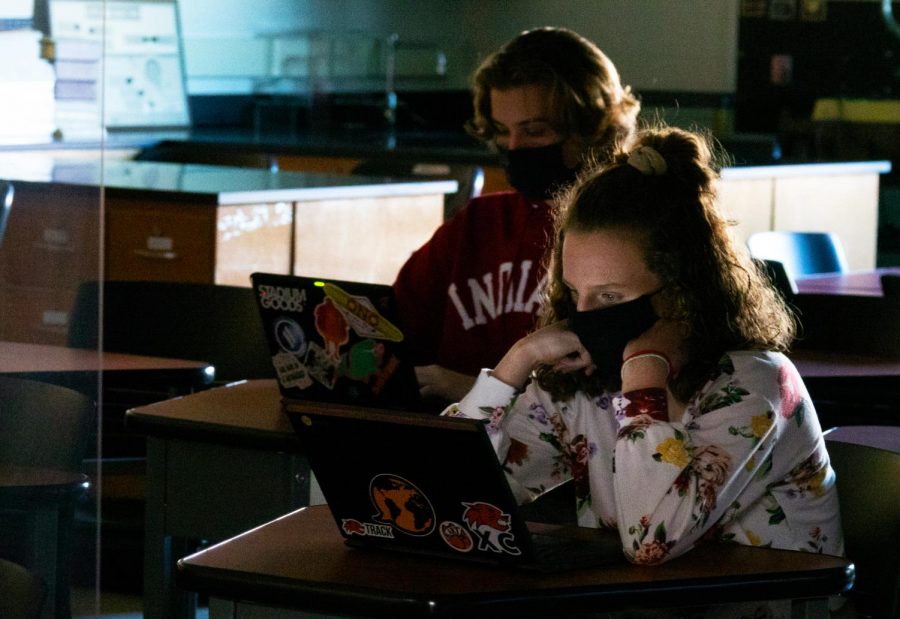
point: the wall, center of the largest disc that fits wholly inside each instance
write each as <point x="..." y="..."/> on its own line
<point x="230" y="45"/>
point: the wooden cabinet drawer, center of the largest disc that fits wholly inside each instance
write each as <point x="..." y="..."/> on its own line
<point x="52" y="237"/>
<point x="37" y="315"/>
<point x="160" y="242"/>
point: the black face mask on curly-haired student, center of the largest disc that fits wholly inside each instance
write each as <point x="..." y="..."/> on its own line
<point x="605" y="332"/>
<point x="537" y="172"/>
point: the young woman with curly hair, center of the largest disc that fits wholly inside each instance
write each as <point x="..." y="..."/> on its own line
<point x="657" y="382"/>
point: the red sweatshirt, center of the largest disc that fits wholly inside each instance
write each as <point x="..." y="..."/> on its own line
<point x="475" y="288"/>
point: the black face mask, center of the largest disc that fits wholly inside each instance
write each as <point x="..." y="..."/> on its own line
<point x="537" y="172"/>
<point x="604" y="332"/>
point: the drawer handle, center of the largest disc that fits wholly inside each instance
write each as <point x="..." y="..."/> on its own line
<point x="155" y="255"/>
<point x="54" y="247"/>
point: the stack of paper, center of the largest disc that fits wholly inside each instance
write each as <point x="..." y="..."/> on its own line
<point x="27" y="107"/>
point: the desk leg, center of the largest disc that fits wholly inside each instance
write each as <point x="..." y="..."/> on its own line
<point x="45" y="558"/>
<point x="162" y="599"/>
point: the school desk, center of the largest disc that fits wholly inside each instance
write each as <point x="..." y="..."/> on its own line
<point x="127" y="381"/>
<point x="234" y="449"/>
<point x="218" y="462"/>
<point x="862" y="283"/>
<point x="300" y="562"/>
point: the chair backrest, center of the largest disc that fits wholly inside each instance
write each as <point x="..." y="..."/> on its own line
<point x="22" y="592"/>
<point x="866" y="460"/>
<point x="801" y="253"/>
<point x="890" y="285"/>
<point x="470" y="177"/>
<point x="779" y="277"/>
<point x="44" y="425"/>
<point x="204" y="322"/>
<point x="7" y="192"/>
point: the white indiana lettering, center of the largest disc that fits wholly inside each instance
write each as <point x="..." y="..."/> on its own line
<point x="487" y="301"/>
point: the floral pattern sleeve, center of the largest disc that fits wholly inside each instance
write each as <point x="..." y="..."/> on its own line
<point x="743" y="440"/>
<point x="745" y="462"/>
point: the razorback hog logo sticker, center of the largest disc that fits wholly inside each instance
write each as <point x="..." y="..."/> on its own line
<point x="491" y="527"/>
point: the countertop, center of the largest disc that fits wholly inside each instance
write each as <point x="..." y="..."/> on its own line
<point x="204" y="184"/>
<point x="750" y="151"/>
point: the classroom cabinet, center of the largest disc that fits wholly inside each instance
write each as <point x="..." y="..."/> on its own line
<point x="200" y="224"/>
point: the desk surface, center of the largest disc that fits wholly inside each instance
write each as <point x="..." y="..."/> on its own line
<point x="861" y="283"/>
<point x="15" y="478"/>
<point x="25" y="358"/>
<point x="300" y="560"/>
<point x="245" y="412"/>
<point x="815" y="364"/>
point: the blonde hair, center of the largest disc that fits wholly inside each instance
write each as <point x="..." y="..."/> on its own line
<point x="587" y="98"/>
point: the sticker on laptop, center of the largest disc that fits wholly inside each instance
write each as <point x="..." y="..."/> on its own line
<point x="401" y="504"/>
<point x="491" y="527"/>
<point x="362" y="315"/>
<point x="322" y="366"/>
<point x="290" y="336"/>
<point x="456" y="536"/>
<point x="291" y="372"/>
<point x="351" y="526"/>
<point x="332" y="326"/>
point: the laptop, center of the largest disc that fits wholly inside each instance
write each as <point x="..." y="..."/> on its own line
<point x="336" y="341"/>
<point x="431" y="485"/>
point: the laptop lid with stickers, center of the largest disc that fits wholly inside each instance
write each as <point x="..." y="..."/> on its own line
<point x="335" y="341"/>
<point x="430" y="485"/>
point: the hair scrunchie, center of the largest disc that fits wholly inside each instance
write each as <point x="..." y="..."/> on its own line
<point x="647" y="161"/>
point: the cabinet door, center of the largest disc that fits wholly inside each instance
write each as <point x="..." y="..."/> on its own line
<point x="160" y="241"/>
<point x="846" y="204"/>
<point x="363" y="239"/>
<point x="252" y="237"/>
<point x="748" y="204"/>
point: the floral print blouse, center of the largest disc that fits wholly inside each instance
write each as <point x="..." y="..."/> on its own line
<point x="746" y="462"/>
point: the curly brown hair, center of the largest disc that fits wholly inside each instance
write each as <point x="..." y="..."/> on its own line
<point x="723" y="300"/>
<point x="587" y="98"/>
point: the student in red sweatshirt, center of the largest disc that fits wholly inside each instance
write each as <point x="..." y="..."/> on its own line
<point x="548" y="101"/>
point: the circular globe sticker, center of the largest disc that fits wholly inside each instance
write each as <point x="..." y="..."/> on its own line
<point x="401" y="504"/>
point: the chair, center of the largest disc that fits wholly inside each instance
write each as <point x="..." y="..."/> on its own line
<point x="801" y="253"/>
<point x="204" y="322"/>
<point x="6" y="199"/>
<point x="779" y="277"/>
<point x="44" y="426"/>
<point x="890" y="285"/>
<point x="179" y="152"/>
<point x="22" y="592"/>
<point x="469" y="177"/>
<point x="866" y="460"/>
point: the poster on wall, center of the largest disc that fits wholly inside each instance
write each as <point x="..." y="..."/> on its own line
<point x="119" y="64"/>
